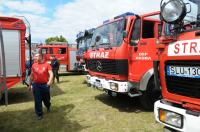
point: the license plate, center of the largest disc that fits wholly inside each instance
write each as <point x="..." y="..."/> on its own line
<point x="98" y="84"/>
<point x="182" y="71"/>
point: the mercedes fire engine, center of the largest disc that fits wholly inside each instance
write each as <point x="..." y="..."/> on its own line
<point x="63" y="52"/>
<point x="178" y="66"/>
<point x="120" y="58"/>
<point x="12" y="52"/>
<point x="83" y="42"/>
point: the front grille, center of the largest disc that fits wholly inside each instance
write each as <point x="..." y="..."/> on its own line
<point x="114" y="67"/>
<point x="184" y="86"/>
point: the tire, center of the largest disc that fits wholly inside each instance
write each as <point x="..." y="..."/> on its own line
<point x="150" y="96"/>
<point x="2" y="99"/>
<point x="88" y="84"/>
<point x="1" y="96"/>
<point x="112" y="94"/>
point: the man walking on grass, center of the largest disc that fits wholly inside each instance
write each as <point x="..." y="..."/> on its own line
<point x="40" y="80"/>
<point x="55" y="64"/>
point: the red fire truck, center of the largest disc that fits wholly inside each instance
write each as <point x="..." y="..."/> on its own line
<point x="12" y="51"/>
<point x="179" y="66"/>
<point x="120" y="59"/>
<point x="63" y="52"/>
<point x="83" y="42"/>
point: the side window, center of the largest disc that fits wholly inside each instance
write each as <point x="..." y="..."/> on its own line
<point x="62" y="51"/>
<point x="44" y="50"/>
<point x="51" y="50"/>
<point x="148" y="29"/>
<point x="135" y="36"/>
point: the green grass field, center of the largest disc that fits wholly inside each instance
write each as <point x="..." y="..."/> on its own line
<point x="75" y="107"/>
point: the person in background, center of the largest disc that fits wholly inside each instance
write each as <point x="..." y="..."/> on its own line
<point x="28" y="70"/>
<point x="55" y="67"/>
<point x="41" y="78"/>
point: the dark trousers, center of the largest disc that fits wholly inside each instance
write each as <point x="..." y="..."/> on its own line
<point x="41" y="94"/>
<point x="55" y="75"/>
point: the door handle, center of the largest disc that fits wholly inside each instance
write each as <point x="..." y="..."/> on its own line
<point x="143" y="43"/>
<point x="135" y="48"/>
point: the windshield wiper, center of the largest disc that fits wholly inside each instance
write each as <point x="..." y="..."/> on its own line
<point x="197" y="23"/>
<point x="105" y="44"/>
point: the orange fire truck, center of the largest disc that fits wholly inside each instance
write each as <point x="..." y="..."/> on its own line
<point x="178" y="66"/>
<point x="12" y="52"/>
<point x="63" y="52"/>
<point x="120" y="59"/>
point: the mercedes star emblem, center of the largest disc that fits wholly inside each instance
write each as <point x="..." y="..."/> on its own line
<point x="99" y="66"/>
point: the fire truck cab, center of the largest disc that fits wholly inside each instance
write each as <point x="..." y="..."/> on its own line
<point x="177" y="70"/>
<point x="65" y="54"/>
<point x="83" y="42"/>
<point x="120" y="59"/>
<point x="12" y="51"/>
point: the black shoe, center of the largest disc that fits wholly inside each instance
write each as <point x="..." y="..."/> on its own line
<point x="39" y="117"/>
<point x="49" y="109"/>
<point x="23" y="82"/>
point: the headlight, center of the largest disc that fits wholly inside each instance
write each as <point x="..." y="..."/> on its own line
<point x="114" y="86"/>
<point x="171" y="118"/>
<point x="173" y="11"/>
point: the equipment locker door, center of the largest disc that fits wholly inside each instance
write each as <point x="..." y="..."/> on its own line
<point x="2" y="69"/>
<point x="12" y="52"/>
<point x="72" y="60"/>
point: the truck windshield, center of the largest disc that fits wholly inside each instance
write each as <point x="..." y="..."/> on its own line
<point x="84" y="43"/>
<point x="88" y="41"/>
<point x="191" y="21"/>
<point x="109" y="35"/>
<point x="193" y="15"/>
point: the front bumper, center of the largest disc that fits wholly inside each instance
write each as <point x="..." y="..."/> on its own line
<point x="190" y="122"/>
<point x="105" y="84"/>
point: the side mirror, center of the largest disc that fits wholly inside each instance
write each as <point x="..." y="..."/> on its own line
<point x="125" y="34"/>
<point x="97" y="39"/>
<point x="86" y="33"/>
<point x="28" y="39"/>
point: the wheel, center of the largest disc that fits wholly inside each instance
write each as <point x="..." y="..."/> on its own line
<point x="88" y="84"/>
<point x="1" y="96"/>
<point x="150" y="96"/>
<point x="112" y="94"/>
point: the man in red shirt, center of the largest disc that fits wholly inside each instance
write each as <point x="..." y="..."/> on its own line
<point x="40" y="80"/>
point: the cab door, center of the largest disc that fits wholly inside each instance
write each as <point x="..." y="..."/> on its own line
<point x="142" y="47"/>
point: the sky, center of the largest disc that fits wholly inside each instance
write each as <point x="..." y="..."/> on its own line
<point x="50" y="18"/>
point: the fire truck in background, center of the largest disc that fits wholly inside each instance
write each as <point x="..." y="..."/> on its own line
<point x="12" y="52"/>
<point x="120" y="58"/>
<point x="63" y="52"/>
<point x="83" y="42"/>
<point x="178" y="66"/>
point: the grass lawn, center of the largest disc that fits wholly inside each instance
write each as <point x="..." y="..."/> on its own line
<point x="75" y="107"/>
